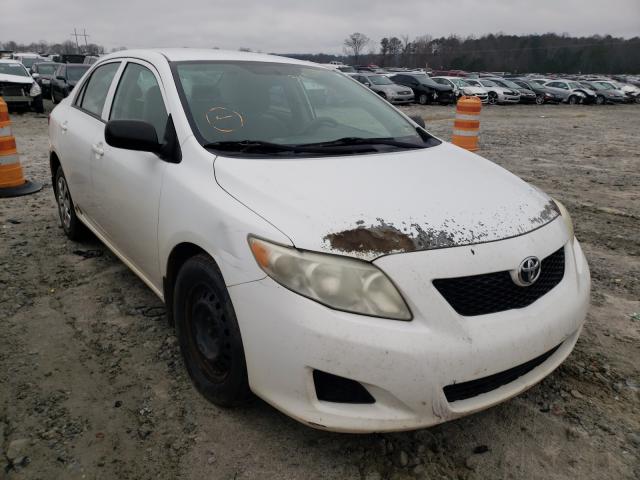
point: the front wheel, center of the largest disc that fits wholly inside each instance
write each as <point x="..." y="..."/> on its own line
<point x="600" y="100"/>
<point x="572" y="100"/>
<point x="423" y="99"/>
<point x="539" y="99"/>
<point x="73" y="228"/>
<point x="493" y="98"/>
<point x="208" y="333"/>
<point x="37" y="104"/>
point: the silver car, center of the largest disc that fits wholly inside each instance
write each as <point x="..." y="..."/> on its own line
<point x="571" y="92"/>
<point x="383" y="86"/>
<point x="496" y="93"/>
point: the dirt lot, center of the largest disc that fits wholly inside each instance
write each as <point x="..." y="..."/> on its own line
<point x="92" y="385"/>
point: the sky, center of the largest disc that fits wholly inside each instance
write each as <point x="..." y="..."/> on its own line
<point x="303" y="26"/>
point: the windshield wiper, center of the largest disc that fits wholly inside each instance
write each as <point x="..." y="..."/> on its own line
<point x="348" y="141"/>
<point x="251" y="145"/>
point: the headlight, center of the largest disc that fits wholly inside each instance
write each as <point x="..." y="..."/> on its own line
<point x="35" y="90"/>
<point x="338" y="282"/>
<point x="566" y="217"/>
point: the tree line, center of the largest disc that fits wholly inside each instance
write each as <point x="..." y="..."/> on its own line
<point x="43" y="47"/>
<point x="547" y="53"/>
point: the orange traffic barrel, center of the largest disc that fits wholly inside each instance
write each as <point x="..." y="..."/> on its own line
<point x="467" y="123"/>
<point x="12" y="181"/>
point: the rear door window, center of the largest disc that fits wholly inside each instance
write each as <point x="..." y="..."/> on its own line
<point x="97" y="87"/>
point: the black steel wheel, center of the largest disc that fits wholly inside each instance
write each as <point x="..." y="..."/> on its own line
<point x="208" y="333"/>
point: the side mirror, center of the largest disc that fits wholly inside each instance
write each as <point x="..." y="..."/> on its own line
<point x="35" y="75"/>
<point x="367" y="84"/>
<point x="419" y="120"/>
<point x="132" y="135"/>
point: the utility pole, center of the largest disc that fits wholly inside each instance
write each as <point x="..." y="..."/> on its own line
<point x="76" y="35"/>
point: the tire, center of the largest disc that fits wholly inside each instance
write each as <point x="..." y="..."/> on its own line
<point x="539" y="99"/>
<point x="600" y="100"/>
<point x="493" y="98"/>
<point x="423" y="99"/>
<point x="572" y="100"/>
<point x="37" y="104"/>
<point x="53" y="97"/>
<point x="73" y="228"/>
<point x="208" y="333"/>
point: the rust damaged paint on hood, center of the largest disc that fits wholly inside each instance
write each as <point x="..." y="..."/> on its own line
<point x="386" y="238"/>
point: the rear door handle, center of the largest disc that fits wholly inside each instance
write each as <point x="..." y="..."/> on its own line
<point x="64" y="127"/>
<point x="97" y="149"/>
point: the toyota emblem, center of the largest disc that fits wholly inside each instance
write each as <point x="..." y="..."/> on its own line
<point x="528" y="271"/>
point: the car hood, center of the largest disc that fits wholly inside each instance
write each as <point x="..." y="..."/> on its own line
<point x="438" y="87"/>
<point x="366" y="206"/>
<point x="15" y="79"/>
<point x="474" y="90"/>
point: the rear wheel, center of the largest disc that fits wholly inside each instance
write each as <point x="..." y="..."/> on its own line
<point x="540" y="99"/>
<point x="73" y="228"/>
<point x="423" y="99"/>
<point x="493" y="98"/>
<point x="600" y="100"/>
<point x="208" y="333"/>
<point x="572" y="100"/>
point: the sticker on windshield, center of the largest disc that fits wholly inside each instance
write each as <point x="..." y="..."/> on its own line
<point x="224" y="120"/>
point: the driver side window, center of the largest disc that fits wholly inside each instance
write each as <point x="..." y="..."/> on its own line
<point x="138" y="97"/>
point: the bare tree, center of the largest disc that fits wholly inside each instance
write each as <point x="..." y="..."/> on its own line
<point x="354" y="44"/>
<point x="384" y="51"/>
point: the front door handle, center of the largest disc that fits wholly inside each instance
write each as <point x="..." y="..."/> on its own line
<point x="64" y="127"/>
<point x="97" y="149"/>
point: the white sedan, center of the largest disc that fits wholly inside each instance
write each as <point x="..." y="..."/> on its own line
<point x="314" y="245"/>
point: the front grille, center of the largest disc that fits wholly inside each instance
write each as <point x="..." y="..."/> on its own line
<point x="9" y="90"/>
<point x="465" y="390"/>
<point x="496" y="292"/>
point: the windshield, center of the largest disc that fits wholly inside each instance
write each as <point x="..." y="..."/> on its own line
<point x="13" y="69"/>
<point x="510" y="84"/>
<point x="347" y="69"/>
<point x="488" y="83"/>
<point x="605" y="85"/>
<point x="284" y="104"/>
<point x="28" y="61"/>
<point x="459" y="82"/>
<point x="380" y="80"/>
<point x="75" y="73"/>
<point x="45" y="69"/>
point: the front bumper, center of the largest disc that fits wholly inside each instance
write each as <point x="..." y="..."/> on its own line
<point x="406" y="365"/>
<point x="397" y="99"/>
<point x="503" y="98"/>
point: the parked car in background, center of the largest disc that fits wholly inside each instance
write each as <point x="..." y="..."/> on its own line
<point x="18" y="88"/>
<point x="571" y="92"/>
<point x="337" y="260"/>
<point x="65" y="79"/>
<point x="543" y="95"/>
<point x="462" y="87"/>
<point x="43" y="73"/>
<point x="526" y="94"/>
<point x="631" y="91"/>
<point x="425" y="89"/>
<point x="384" y="87"/>
<point x="605" y="94"/>
<point x="27" y="59"/>
<point x="496" y="94"/>
<point x="90" y="59"/>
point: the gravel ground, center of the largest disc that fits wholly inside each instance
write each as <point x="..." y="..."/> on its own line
<point x="92" y="385"/>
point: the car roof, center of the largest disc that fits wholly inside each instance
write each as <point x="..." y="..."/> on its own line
<point x="196" y="54"/>
<point x="10" y="60"/>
